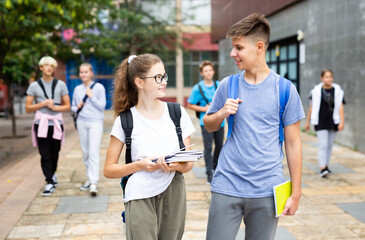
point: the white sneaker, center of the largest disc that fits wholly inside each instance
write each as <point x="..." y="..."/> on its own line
<point x="54" y="178"/>
<point x="48" y="189"/>
<point x="86" y="186"/>
<point x="93" y="189"/>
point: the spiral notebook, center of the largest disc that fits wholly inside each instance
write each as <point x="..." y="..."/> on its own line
<point x="281" y="193"/>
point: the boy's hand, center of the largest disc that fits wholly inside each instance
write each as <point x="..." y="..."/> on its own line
<point x="291" y="206"/>
<point x="48" y="103"/>
<point x="230" y="107"/>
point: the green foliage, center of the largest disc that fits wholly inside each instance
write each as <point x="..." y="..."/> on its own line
<point x="30" y="29"/>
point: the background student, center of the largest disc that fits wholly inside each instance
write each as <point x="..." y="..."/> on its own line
<point x="198" y="102"/>
<point x="155" y="198"/>
<point x="89" y="123"/>
<point x="326" y="113"/>
<point x="250" y="162"/>
<point x="44" y="97"/>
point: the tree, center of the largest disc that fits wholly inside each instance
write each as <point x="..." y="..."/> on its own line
<point x="30" y="29"/>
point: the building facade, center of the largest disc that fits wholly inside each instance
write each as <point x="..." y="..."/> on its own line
<point x="306" y="37"/>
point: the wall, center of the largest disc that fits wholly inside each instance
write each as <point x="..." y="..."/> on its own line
<point x="334" y="37"/>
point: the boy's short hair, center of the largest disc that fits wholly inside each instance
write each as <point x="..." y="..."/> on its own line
<point x="205" y="63"/>
<point x="48" y="60"/>
<point x="254" y="25"/>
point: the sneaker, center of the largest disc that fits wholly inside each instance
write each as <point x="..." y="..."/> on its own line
<point x="48" y="189"/>
<point x="86" y="186"/>
<point x="93" y="190"/>
<point x="329" y="171"/>
<point x="54" y="178"/>
<point x="324" y="172"/>
<point x="209" y="179"/>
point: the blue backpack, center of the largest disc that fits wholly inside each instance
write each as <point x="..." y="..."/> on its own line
<point x="284" y="92"/>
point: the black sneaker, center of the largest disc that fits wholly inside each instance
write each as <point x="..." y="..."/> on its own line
<point x="329" y="171"/>
<point x="324" y="173"/>
<point x="48" y="189"/>
<point x="86" y="186"/>
<point x="209" y="179"/>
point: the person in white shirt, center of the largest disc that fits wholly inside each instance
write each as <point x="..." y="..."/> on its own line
<point x="326" y="113"/>
<point x="154" y="197"/>
<point x="89" y="123"/>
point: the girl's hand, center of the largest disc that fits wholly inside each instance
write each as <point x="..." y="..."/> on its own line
<point x="80" y="105"/>
<point x="167" y="167"/>
<point x="340" y="126"/>
<point x="307" y="126"/>
<point x="146" y="164"/>
<point x="89" y="92"/>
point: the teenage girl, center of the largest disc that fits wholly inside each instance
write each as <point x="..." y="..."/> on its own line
<point x="155" y="198"/>
<point x="90" y="123"/>
<point x="326" y="113"/>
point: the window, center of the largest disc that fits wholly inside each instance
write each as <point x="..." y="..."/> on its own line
<point x="282" y="57"/>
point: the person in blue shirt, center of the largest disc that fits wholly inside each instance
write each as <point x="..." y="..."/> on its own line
<point x="250" y="162"/>
<point x="90" y="124"/>
<point x="200" y="103"/>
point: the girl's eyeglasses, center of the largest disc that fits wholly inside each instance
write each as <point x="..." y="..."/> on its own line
<point x="158" y="78"/>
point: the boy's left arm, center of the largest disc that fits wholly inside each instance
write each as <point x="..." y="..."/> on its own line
<point x="293" y="149"/>
<point x="65" y="106"/>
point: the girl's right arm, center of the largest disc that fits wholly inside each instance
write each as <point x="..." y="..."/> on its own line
<point x="308" y="117"/>
<point x="114" y="170"/>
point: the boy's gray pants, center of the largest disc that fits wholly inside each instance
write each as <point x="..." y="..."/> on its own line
<point x="158" y="218"/>
<point x="226" y="213"/>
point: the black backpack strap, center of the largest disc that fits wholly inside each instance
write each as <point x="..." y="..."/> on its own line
<point x="126" y="120"/>
<point x="42" y="86"/>
<point x="175" y="115"/>
<point x="202" y="93"/>
<point x="215" y="84"/>
<point x="54" y="83"/>
<point x="85" y="98"/>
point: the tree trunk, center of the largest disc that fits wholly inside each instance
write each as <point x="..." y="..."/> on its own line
<point x="11" y="107"/>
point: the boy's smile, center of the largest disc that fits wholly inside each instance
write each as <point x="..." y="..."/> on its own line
<point x="243" y="52"/>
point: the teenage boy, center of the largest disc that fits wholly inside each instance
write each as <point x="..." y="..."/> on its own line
<point x="200" y="97"/>
<point x="44" y="97"/>
<point x="250" y="163"/>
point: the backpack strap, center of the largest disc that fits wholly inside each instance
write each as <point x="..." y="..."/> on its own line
<point x="175" y="115"/>
<point x="202" y="93"/>
<point x="233" y="84"/>
<point x="85" y="98"/>
<point x="126" y="120"/>
<point x="284" y="93"/>
<point x="54" y="83"/>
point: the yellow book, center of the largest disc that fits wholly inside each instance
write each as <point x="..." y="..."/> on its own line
<point x="281" y="193"/>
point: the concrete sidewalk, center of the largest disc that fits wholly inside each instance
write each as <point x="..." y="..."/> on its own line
<point x="330" y="208"/>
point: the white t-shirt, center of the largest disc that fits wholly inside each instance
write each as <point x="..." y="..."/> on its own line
<point x="152" y="138"/>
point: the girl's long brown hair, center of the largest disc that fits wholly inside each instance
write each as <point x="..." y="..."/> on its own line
<point x="125" y="90"/>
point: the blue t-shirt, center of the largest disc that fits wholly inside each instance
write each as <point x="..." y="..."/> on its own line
<point x="250" y="162"/>
<point x="196" y="97"/>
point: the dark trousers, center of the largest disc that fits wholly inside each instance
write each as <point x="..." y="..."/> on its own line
<point x="48" y="149"/>
<point x="210" y="164"/>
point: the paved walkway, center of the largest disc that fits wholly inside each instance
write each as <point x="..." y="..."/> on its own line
<point x="330" y="208"/>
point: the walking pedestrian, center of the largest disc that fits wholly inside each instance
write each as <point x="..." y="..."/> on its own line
<point x="250" y="163"/>
<point x="48" y="98"/>
<point x="90" y="117"/>
<point x="326" y="113"/>
<point x="199" y="100"/>
<point x="154" y="197"/>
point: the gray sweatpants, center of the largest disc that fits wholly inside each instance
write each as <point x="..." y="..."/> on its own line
<point x="158" y="218"/>
<point x="326" y="139"/>
<point x="226" y="213"/>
